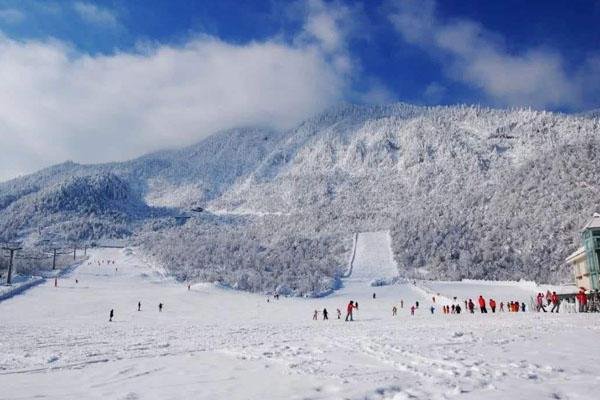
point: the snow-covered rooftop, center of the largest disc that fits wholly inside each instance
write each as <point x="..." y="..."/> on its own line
<point x="593" y="223"/>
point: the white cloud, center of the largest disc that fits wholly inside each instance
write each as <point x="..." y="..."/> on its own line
<point x="471" y="54"/>
<point x="329" y="26"/>
<point x="60" y="104"/>
<point x="96" y="15"/>
<point x="434" y="92"/>
<point x="11" y="16"/>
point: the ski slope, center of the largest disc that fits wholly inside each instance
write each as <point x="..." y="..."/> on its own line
<point x="373" y="258"/>
<point x="212" y="343"/>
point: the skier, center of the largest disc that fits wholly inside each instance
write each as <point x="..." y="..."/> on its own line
<point x="457" y="308"/>
<point x="111" y="315"/>
<point x="160" y="307"/>
<point x="412" y="310"/>
<point x="189" y="287"/>
<point x="471" y="306"/>
<point x="339" y="313"/>
<point x="432" y="308"/>
<point x="540" y="302"/>
<point x="351" y="306"/>
<point x="522" y="307"/>
<point x="325" y="314"/>
<point x="433" y="298"/>
<point x="482" y="305"/>
<point x="139" y="306"/>
<point x="493" y="305"/>
<point x="502" y="306"/>
<point x="394" y="311"/>
<point x="55" y="282"/>
<point x="555" y="302"/>
<point x="374" y="295"/>
<point x="315" y="315"/>
<point x="401" y="303"/>
<point x="76" y="281"/>
<point x="417" y="304"/>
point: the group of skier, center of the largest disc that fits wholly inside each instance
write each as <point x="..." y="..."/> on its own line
<point x="111" y="314"/>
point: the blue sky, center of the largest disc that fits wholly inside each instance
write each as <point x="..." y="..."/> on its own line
<point x="79" y="74"/>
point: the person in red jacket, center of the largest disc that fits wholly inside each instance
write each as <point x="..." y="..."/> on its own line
<point x="349" y="310"/>
<point x="493" y="305"/>
<point x="582" y="298"/>
<point x="555" y="302"/>
<point x="482" y="305"/>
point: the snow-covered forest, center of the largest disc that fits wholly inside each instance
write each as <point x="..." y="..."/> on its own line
<point x="465" y="191"/>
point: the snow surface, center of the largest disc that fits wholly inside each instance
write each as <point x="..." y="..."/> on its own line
<point x="212" y="343"/>
<point x="373" y="258"/>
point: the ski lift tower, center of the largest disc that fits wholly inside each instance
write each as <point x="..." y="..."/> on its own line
<point x="11" y="248"/>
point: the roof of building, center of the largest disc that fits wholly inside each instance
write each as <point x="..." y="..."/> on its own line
<point x="575" y="254"/>
<point x="593" y="223"/>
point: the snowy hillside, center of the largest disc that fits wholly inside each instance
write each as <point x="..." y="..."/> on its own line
<point x="464" y="191"/>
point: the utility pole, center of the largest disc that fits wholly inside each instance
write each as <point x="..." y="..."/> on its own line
<point x="12" y="250"/>
<point x="74" y="252"/>
<point x="54" y="258"/>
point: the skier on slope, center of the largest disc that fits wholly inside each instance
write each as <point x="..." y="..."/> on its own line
<point x="493" y="305"/>
<point x="160" y="307"/>
<point x="471" y="306"/>
<point x="349" y="309"/>
<point x="339" y="313"/>
<point x="394" y="311"/>
<point x="315" y="315"/>
<point x="111" y="315"/>
<point x="555" y="302"/>
<point x="412" y="310"/>
<point x="482" y="305"/>
<point x="325" y="314"/>
<point x="139" y="306"/>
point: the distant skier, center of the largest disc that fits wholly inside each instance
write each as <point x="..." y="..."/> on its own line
<point x="471" y="306"/>
<point x="457" y="308"/>
<point x="315" y="315"/>
<point x="349" y="309"/>
<point x="55" y="282"/>
<point x="189" y="287"/>
<point x="394" y="311"/>
<point x="522" y="307"/>
<point x="401" y="303"/>
<point x="432" y="308"/>
<point x="417" y="304"/>
<point x="111" y="315"/>
<point x="76" y="281"/>
<point x="502" y="306"/>
<point x="412" y="310"/>
<point x="482" y="305"/>
<point x="374" y="295"/>
<point x="555" y="302"/>
<point x="493" y="305"/>
<point x="325" y="314"/>
<point x="339" y="313"/>
<point x="139" y="306"/>
<point x="160" y="307"/>
<point x="433" y="298"/>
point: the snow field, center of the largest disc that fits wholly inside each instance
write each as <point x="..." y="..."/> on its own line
<point x="213" y="343"/>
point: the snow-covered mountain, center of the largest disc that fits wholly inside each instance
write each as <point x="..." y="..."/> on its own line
<point x="465" y="191"/>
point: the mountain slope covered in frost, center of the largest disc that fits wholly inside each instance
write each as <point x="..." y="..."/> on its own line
<point x="464" y="191"/>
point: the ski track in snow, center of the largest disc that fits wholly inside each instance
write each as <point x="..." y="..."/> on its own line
<point x="213" y="343"/>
